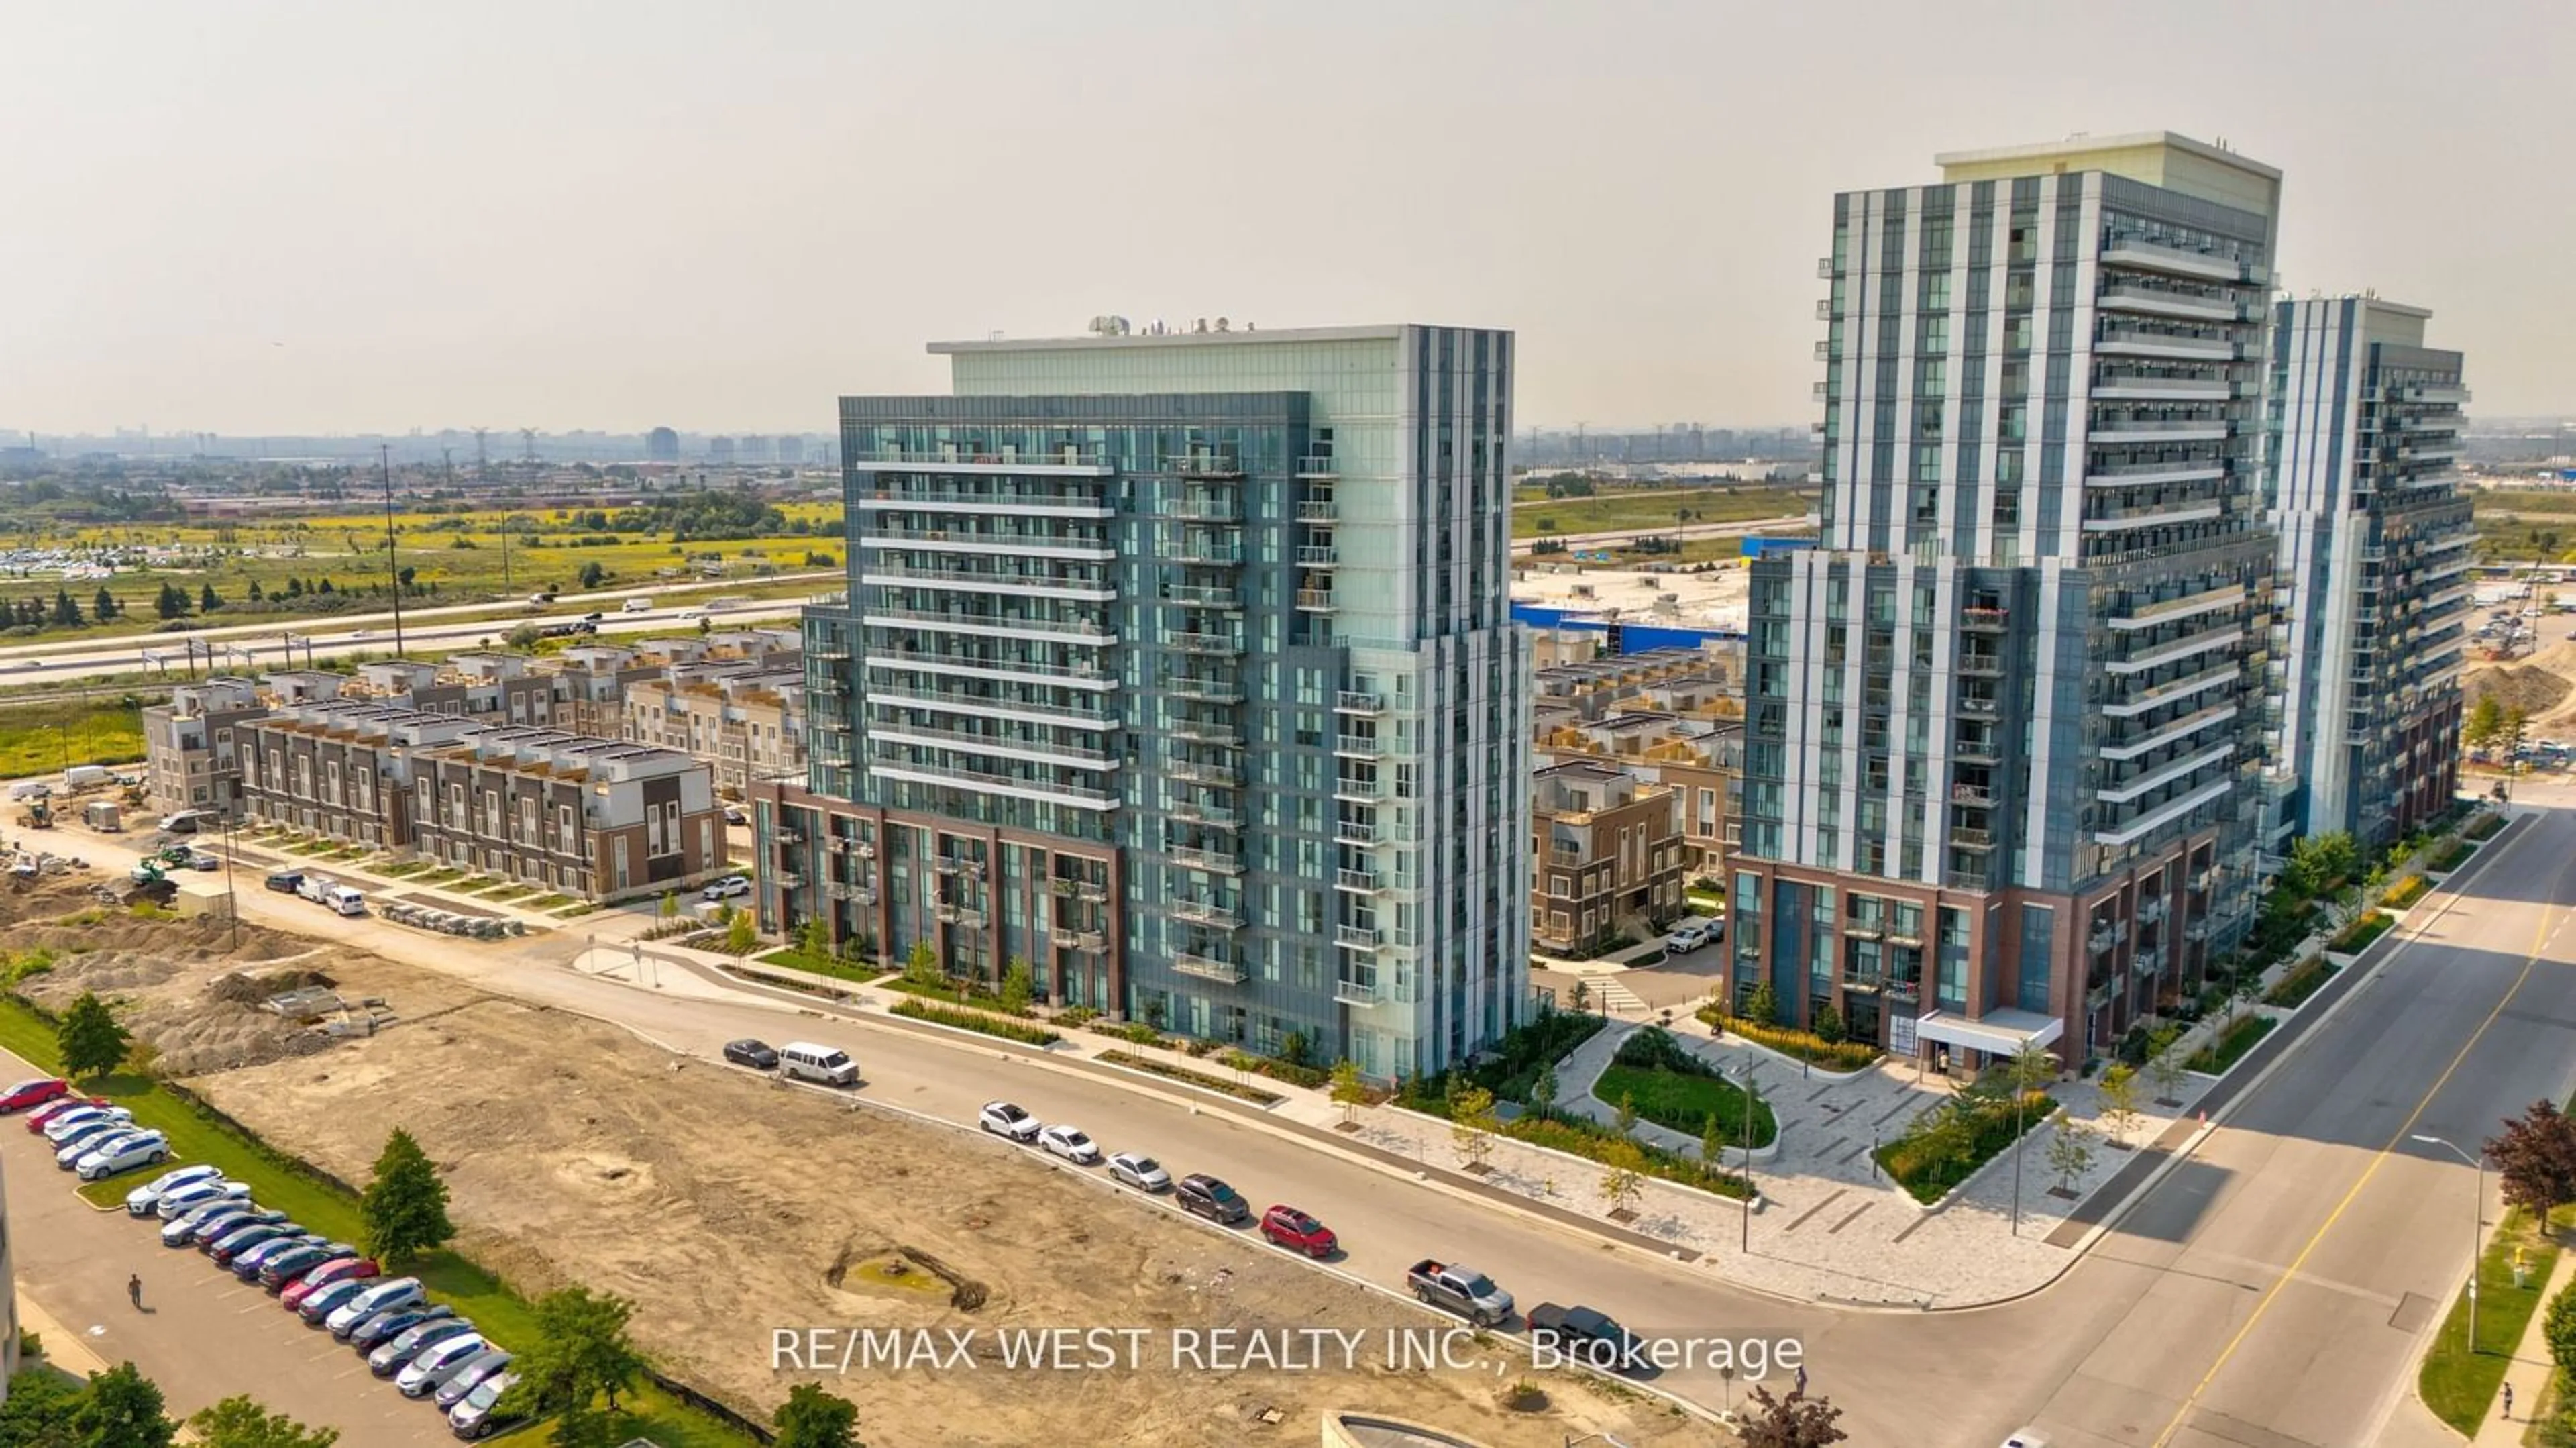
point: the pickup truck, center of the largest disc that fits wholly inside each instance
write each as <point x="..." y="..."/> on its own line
<point x="1585" y="1336"/>
<point x="1462" y="1290"/>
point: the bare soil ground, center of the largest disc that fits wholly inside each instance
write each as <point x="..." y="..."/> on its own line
<point x="2538" y="684"/>
<point x="726" y="1207"/>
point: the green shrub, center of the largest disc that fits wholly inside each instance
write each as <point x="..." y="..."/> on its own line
<point x="2231" y="1045"/>
<point x="1684" y="1103"/>
<point x="1804" y="1045"/>
<point x="1590" y="1140"/>
<point x="2484" y="827"/>
<point x="1166" y="1069"/>
<point x="1944" y="1145"/>
<point x="977" y="1021"/>
<point x="2295" y="988"/>
<point x="2407" y="890"/>
<point x="2357" y="936"/>
<point x="2450" y="856"/>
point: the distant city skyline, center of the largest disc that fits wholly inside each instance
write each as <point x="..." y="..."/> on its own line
<point x="279" y="219"/>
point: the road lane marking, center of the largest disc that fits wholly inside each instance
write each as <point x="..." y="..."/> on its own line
<point x="2540" y="938"/>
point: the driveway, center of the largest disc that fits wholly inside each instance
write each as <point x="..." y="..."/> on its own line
<point x="206" y="1335"/>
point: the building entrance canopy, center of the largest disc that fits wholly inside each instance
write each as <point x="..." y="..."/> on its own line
<point x="1997" y="1033"/>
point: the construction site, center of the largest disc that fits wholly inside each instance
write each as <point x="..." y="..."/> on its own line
<point x="727" y="1207"/>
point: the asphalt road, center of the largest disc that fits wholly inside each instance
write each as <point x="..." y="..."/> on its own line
<point x="1615" y="536"/>
<point x="2271" y="1292"/>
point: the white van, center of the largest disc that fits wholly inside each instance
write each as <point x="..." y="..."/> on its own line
<point x="88" y="776"/>
<point x="27" y="789"/>
<point x="805" y="1061"/>
<point x="345" y="900"/>
<point x="637" y="605"/>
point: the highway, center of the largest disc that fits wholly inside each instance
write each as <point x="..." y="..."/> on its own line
<point x="2271" y="1292"/>
<point x="1615" y="537"/>
<point x="447" y="626"/>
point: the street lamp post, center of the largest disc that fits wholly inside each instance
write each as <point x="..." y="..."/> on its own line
<point x="2477" y="1213"/>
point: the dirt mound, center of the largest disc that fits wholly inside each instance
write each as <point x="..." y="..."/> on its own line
<point x="2527" y="686"/>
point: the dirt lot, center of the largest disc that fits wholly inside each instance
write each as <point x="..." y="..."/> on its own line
<point x="2538" y="685"/>
<point x="726" y="1207"/>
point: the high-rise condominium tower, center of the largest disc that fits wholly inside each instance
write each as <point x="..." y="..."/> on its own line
<point x="2004" y="725"/>
<point x="2362" y="482"/>
<point x="1181" y="667"/>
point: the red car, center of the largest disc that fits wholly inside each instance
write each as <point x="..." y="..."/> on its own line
<point x="1289" y="1227"/>
<point x="343" y="1270"/>
<point x="38" y="1118"/>
<point x="34" y="1093"/>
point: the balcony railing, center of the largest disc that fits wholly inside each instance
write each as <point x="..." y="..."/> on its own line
<point x="1203" y="643"/>
<point x="1359" y="746"/>
<point x="1355" y="992"/>
<point x="1365" y="882"/>
<point x="1317" y="465"/>
<point x="1316" y="557"/>
<point x="1315" y="600"/>
<point x="1202" y="912"/>
<point x="1349" y="701"/>
<point x="1318" y="510"/>
<point x="1200" y="813"/>
<point x="1208" y="967"/>
<point x="1211" y="691"/>
<point x="1195" y="595"/>
<point x="1359" y="937"/>
<point x="1202" y="553"/>
<point x="1984" y="620"/>
<point x="1212" y="861"/>
<point x="1200" y="771"/>
<point x="1355" y="832"/>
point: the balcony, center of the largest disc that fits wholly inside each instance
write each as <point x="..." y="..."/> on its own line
<point x="1203" y="643"/>
<point x="2172" y="261"/>
<point x="1312" y="556"/>
<point x="2161" y="302"/>
<point x="1315" y="600"/>
<point x="1359" y="746"/>
<point x="1063" y="939"/>
<point x="2150" y="475"/>
<point x="1092" y="892"/>
<point x="1977" y="663"/>
<point x="1967" y="837"/>
<point x="1355" y="832"/>
<point x="1351" y="702"/>
<point x="1208" y="967"/>
<point x="1193" y="595"/>
<point x="1030" y="584"/>
<point x="1355" y="791"/>
<point x="1985" y="620"/>
<point x="1213" y="816"/>
<point x="1977" y="706"/>
<point x="1318" y="465"/>
<point x="1210" y="691"/>
<point x="1318" y="510"/>
<point x="2151" y="910"/>
<point x="1201" y="912"/>
<point x="1207" y="553"/>
<point x="1011" y="545"/>
<point x="1355" y="992"/>
<point x="1042" y="504"/>
<point x="1204" y="465"/>
<point x="1079" y="796"/>
<point x="1209" y="510"/>
<point x="2136" y="342"/>
<point x="1975" y="796"/>
<point x="1359" y="882"/>
<point x="1200" y="731"/>
<point x="1071" y="459"/>
<point x="2116" y="386"/>
<point x="1212" y="861"/>
<point x="788" y="878"/>
<point x="1200" y="771"/>
<point x="1359" y="937"/>
<point x="2119" y="520"/>
<point x="2196" y="931"/>
<point x="1095" y="632"/>
<point x="999" y="746"/>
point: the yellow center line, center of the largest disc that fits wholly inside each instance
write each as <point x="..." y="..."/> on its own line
<point x="2539" y="942"/>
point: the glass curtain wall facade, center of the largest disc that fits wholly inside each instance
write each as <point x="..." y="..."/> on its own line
<point x="2004" y="724"/>
<point x="1181" y="668"/>
<point x="2362" y="482"/>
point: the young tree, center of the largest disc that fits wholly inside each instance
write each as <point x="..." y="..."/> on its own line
<point x="104" y="606"/>
<point x="1622" y="1179"/>
<point x="239" y="1422"/>
<point x="90" y="1038"/>
<point x="1582" y="997"/>
<point x="1626" y="1119"/>
<point x="592" y="574"/>
<point x="814" y="938"/>
<point x="66" y="612"/>
<point x="1349" y="1091"/>
<point x="122" y="1409"/>
<point x="1472" y="1125"/>
<point x="741" y="934"/>
<point x="581" y="1352"/>
<point x="404" y="1210"/>
<point x="812" y="1418"/>
<point x="1019" y="984"/>
<point x="2164" y="1065"/>
<point x="2030" y="1068"/>
<point x="171" y="603"/>
<point x="921" y="967"/>
<point x="2485" y="721"/>
<point x="2070" y="1154"/>
<point x="2119" y="1088"/>
<point x="2536" y="1155"/>
<point x="2516" y="724"/>
<point x="670" y="907"/>
<point x="1712" y="1141"/>
<point x="1829" y="1024"/>
<point x="256" y="593"/>
<point x="207" y="602"/>
<point x="1796" y="1421"/>
<point x="1764" y="1008"/>
<point x="1542" y="1092"/>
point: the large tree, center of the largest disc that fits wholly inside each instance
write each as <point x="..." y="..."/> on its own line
<point x="581" y="1353"/>
<point x="121" y="1408"/>
<point x="239" y="1422"/>
<point x="812" y="1418"/>
<point x="90" y="1038"/>
<point x="2536" y="1154"/>
<point x="404" y="1211"/>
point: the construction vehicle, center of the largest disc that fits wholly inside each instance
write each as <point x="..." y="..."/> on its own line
<point x="37" y="816"/>
<point x="103" y="815"/>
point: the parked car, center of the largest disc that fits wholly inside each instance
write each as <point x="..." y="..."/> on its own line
<point x="1692" y="934"/>
<point x="1586" y="1336"/>
<point x="1206" y="1196"/>
<point x="476" y="1417"/>
<point x="490" y="1362"/>
<point x="726" y="888"/>
<point x="1139" y="1171"/>
<point x="195" y="1227"/>
<point x="323" y="1300"/>
<point x="1005" y="1118"/>
<point x="391" y="1354"/>
<point x="38" y="1117"/>
<point x="26" y="1095"/>
<point x="593" y="617"/>
<point x="434" y="1365"/>
<point x="735" y="816"/>
<point x="824" y="1065"/>
<point x="756" y="1054"/>
<point x="200" y="860"/>
<point x="245" y="1264"/>
<point x="145" y="1199"/>
<point x="383" y="1297"/>
<point x="174" y="1204"/>
<point x="242" y="1236"/>
<point x="1069" y="1142"/>
<point x="286" y="882"/>
<point x="59" y="1129"/>
<point x="299" y="1294"/>
<point x="392" y="1323"/>
<point x="125" y="1154"/>
<point x="283" y="1268"/>
<point x="1286" y="1226"/>
<point x="1462" y="1290"/>
<point x="81" y="1143"/>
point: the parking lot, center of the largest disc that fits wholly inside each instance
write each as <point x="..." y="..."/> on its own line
<point x="204" y="1335"/>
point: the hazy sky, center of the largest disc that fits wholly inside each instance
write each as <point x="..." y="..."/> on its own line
<point x="721" y="216"/>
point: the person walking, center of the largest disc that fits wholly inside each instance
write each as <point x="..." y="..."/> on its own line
<point x="134" y="1290"/>
<point x="2508" y="1401"/>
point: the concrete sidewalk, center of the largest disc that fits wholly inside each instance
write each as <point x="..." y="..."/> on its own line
<point x="2528" y="1373"/>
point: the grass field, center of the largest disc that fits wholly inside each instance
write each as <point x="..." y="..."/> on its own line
<point x="1611" y="512"/>
<point x="2460" y="1385"/>
<point x="275" y="1180"/>
<point x="40" y="738"/>
<point x="1685" y="1103"/>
